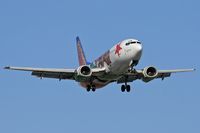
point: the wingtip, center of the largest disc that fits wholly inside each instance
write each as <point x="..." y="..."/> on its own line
<point x="7" y="67"/>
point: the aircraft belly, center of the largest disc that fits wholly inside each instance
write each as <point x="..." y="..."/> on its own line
<point x="109" y="77"/>
<point x="119" y="67"/>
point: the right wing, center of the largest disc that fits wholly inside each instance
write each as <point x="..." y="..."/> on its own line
<point x="47" y="72"/>
<point x="56" y="73"/>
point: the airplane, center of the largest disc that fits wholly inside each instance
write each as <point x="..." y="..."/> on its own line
<point x="116" y="65"/>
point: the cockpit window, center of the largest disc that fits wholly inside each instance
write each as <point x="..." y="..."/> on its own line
<point x="128" y="43"/>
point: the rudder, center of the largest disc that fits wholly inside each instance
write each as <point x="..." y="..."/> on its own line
<point x="81" y="55"/>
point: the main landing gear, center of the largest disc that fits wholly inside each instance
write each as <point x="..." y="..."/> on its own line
<point x="125" y="88"/>
<point x="91" y="87"/>
<point x="128" y="87"/>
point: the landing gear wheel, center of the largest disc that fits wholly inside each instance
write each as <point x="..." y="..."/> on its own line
<point x="88" y="88"/>
<point x="93" y="89"/>
<point x="128" y="88"/>
<point x="123" y="88"/>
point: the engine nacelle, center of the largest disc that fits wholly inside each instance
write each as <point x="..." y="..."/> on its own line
<point x="149" y="73"/>
<point x="83" y="73"/>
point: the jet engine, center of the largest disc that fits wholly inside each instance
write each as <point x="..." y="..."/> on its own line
<point x="149" y="73"/>
<point x="83" y="73"/>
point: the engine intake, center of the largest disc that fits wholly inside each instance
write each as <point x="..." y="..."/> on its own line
<point x="85" y="70"/>
<point x="149" y="73"/>
<point x="83" y="73"/>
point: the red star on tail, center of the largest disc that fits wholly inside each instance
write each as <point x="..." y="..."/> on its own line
<point x="117" y="49"/>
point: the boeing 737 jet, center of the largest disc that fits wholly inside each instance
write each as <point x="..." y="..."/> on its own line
<point x="115" y="65"/>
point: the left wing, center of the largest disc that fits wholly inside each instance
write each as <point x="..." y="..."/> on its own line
<point x="47" y="72"/>
<point x="143" y="75"/>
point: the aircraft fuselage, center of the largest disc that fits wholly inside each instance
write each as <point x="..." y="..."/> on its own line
<point x="118" y="60"/>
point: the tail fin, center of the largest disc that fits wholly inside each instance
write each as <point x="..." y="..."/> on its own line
<point x="81" y="54"/>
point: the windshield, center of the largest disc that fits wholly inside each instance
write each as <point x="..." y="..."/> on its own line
<point x="133" y="42"/>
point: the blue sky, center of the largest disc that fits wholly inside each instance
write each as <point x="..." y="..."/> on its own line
<point x="41" y="33"/>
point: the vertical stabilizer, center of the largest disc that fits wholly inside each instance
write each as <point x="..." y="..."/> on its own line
<point x="81" y="55"/>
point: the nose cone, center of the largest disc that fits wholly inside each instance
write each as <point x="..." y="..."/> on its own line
<point x="138" y="47"/>
<point x="138" y="51"/>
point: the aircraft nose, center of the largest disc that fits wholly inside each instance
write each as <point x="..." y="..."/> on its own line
<point x="139" y="48"/>
<point x="138" y="51"/>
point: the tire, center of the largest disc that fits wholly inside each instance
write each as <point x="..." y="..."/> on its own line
<point x="128" y="88"/>
<point x="93" y="89"/>
<point x="88" y="88"/>
<point x="123" y="88"/>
